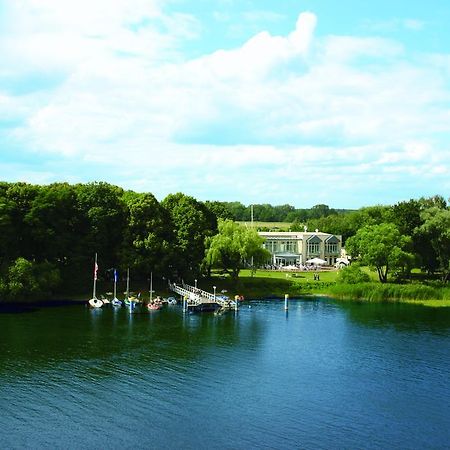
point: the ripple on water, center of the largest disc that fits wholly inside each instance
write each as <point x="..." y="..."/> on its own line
<point x="321" y="376"/>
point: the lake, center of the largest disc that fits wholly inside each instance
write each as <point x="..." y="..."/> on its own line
<point x="324" y="375"/>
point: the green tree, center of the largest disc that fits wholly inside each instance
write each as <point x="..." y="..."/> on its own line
<point x="234" y="246"/>
<point x="54" y="220"/>
<point x="191" y="224"/>
<point x="147" y="238"/>
<point x="381" y="247"/>
<point x="219" y="210"/>
<point x="104" y="221"/>
<point x="28" y="280"/>
<point x="19" y="197"/>
<point x="436" y="227"/>
<point x="8" y="235"/>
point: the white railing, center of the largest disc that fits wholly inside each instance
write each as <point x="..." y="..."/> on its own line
<point x="197" y="296"/>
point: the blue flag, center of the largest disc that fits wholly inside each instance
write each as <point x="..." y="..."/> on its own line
<point x="115" y="275"/>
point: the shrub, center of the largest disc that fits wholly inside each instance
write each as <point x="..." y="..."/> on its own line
<point x="28" y="280"/>
<point x="353" y="274"/>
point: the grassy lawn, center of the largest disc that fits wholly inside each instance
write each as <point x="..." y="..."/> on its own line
<point x="298" y="277"/>
<point x="274" y="284"/>
<point x="267" y="283"/>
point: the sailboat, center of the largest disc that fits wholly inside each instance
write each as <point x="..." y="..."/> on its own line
<point x="128" y="301"/>
<point x="115" y="301"/>
<point x="94" y="302"/>
<point x="152" y="306"/>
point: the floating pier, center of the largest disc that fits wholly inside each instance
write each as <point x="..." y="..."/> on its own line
<point x="196" y="299"/>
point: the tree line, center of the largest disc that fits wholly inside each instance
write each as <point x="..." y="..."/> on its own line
<point x="49" y="235"/>
<point x="395" y="238"/>
<point x="268" y="213"/>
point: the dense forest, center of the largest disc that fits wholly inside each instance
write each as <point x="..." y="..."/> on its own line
<point x="49" y="234"/>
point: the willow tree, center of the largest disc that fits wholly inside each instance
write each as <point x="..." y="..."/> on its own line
<point x="234" y="247"/>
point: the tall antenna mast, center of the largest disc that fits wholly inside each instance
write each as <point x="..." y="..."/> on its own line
<point x="251" y="209"/>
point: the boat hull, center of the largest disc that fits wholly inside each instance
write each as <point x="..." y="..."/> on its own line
<point x="204" y="307"/>
<point x="95" y="303"/>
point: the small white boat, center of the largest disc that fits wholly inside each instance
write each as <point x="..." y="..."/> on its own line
<point x="171" y="301"/>
<point x="116" y="303"/>
<point x="95" y="303"/>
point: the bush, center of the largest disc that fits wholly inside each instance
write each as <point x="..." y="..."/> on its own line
<point x="353" y="274"/>
<point x="27" y="280"/>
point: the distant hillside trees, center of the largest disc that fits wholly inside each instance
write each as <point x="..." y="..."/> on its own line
<point x="268" y="213"/>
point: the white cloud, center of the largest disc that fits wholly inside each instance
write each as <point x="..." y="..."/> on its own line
<point x="269" y="114"/>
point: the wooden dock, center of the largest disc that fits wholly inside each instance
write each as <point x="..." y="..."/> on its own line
<point x="195" y="297"/>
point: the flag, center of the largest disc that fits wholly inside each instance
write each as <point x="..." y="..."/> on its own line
<point x="115" y="276"/>
<point x="95" y="271"/>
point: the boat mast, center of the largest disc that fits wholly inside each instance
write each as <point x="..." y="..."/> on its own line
<point x="95" y="278"/>
<point x="151" y="286"/>
<point x="115" y="283"/>
<point x="128" y="282"/>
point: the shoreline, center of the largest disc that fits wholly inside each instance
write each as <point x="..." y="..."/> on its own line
<point x="433" y="303"/>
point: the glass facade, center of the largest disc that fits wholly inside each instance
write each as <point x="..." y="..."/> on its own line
<point x="331" y="248"/>
<point x="313" y="248"/>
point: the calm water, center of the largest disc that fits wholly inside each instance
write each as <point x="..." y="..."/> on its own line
<point x="326" y="375"/>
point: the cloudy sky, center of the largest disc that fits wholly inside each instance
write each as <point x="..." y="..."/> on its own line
<point x="292" y="101"/>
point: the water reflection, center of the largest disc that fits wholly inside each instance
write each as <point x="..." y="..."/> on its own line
<point x="52" y="335"/>
<point x="404" y="317"/>
<point x="325" y="375"/>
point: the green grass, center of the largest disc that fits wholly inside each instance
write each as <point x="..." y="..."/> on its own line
<point x="406" y="293"/>
<point x="265" y="283"/>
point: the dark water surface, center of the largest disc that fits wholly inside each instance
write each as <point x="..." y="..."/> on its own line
<point x="326" y="375"/>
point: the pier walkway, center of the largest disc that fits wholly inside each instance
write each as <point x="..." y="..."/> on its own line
<point x="196" y="296"/>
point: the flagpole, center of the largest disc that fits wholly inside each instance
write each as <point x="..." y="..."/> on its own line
<point x="95" y="277"/>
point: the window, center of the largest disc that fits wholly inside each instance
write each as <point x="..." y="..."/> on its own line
<point x="290" y="247"/>
<point x="271" y="246"/>
<point x="313" y="248"/>
<point x="331" y="248"/>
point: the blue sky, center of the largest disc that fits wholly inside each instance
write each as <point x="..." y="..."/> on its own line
<point x="303" y="102"/>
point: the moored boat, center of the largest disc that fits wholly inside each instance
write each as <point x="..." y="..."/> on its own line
<point x="116" y="303"/>
<point x="94" y="302"/>
<point x="153" y="306"/>
<point x="171" y="301"/>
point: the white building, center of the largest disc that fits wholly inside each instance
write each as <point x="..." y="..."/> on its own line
<point x="294" y="248"/>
